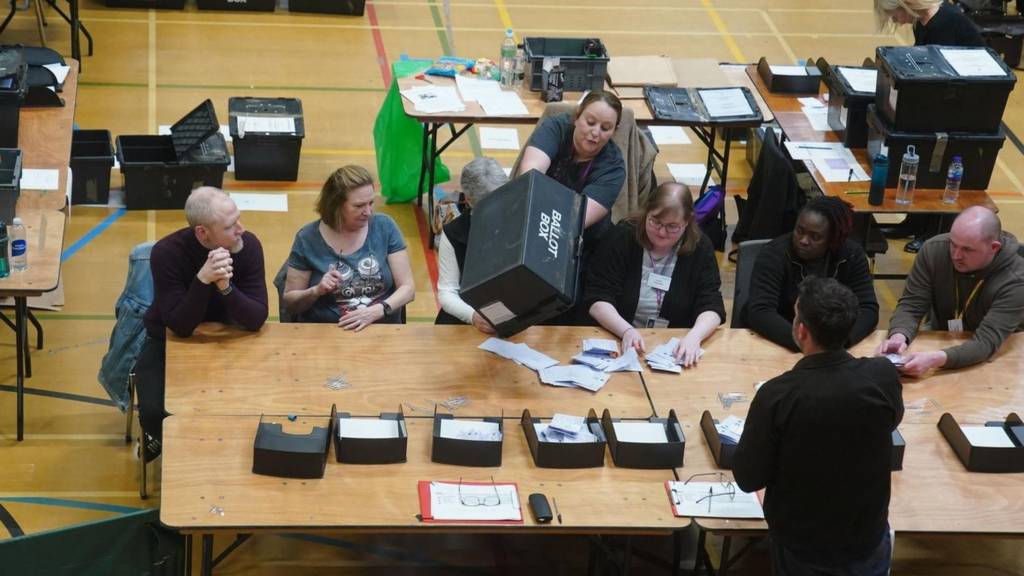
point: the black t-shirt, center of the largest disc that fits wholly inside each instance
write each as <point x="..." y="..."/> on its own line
<point x="949" y="27"/>
<point x="599" y="179"/>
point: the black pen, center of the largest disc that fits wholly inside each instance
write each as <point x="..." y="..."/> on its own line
<point x="557" y="513"/>
<point x="850" y="177"/>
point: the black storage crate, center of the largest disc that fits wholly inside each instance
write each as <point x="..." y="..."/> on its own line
<point x="919" y="91"/>
<point x="92" y="157"/>
<point x="266" y="155"/>
<point x="346" y="7"/>
<point x="161" y="171"/>
<point x="936" y="149"/>
<point x="13" y="84"/>
<point x="10" y="182"/>
<point x="847" y="109"/>
<point x="165" y="4"/>
<point x="583" y="70"/>
<point x="238" y="5"/>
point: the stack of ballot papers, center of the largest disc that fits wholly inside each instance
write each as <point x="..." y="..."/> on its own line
<point x="367" y="428"/>
<point x="576" y="375"/>
<point x="663" y="357"/>
<point x="519" y="353"/>
<point x="564" y="428"/>
<point x="602" y="354"/>
<point x="478" y="430"/>
<point x="730" y="429"/>
<point x="434" y="99"/>
<point x="640" y="432"/>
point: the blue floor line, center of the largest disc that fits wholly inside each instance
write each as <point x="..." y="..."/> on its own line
<point x="96" y="231"/>
<point x="64" y="503"/>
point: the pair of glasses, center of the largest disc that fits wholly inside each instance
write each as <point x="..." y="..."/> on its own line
<point x="480" y="500"/>
<point x="670" y="228"/>
<point x="726" y="489"/>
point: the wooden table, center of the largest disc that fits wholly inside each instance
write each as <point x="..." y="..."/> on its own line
<point x="284" y="369"/>
<point x="208" y="487"/>
<point x="44" y="136"/>
<point x="45" y="235"/>
<point x="787" y="111"/>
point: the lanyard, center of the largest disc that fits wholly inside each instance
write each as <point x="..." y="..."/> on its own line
<point x="970" y="298"/>
<point x="581" y="182"/>
<point x="658" y="293"/>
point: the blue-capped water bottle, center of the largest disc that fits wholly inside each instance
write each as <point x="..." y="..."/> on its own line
<point x="879" y="174"/>
<point x="954" y="177"/>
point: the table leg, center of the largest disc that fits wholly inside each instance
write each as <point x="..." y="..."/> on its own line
<point x="20" y="305"/>
<point x="39" y="329"/>
<point x="207" y="567"/>
<point x="677" y="553"/>
<point x="188" y="555"/>
<point x="76" y="48"/>
<point x="723" y="566"/>
<point x="424" y="163"/>
<point x="430" y="183"/>
<point x="3" y="26"/>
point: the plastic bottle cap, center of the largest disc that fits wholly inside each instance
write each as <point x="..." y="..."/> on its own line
<point x="956" y="158"/>
<point x="508" y="32"/>
<point x="911" y="154"/>
<point x="16" y="221"/>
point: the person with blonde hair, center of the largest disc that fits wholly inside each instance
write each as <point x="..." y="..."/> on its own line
<point x="657" y="270"/>
<point x="351" y="266"/>
<point x="934" y="21"/>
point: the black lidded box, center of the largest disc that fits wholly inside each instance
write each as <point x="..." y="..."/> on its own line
<point x="352" y="450"/>
<point x="523" y="261"/>
<point x="807" y="83"/>
<point x="987" y="458"/>
<point x="13" y="85"/>
<point x="278" y="453"/>
<point x="237" y="5"/>
<point x="10" y="182"/>
<point x="647" y="455"/>
<point x="464" y="452"/>
<point x="567" y="454"/>
<point x="92" y="157"/>
<point x="161" y="171"/>
<point x="261" y="154"/>
<point x="345" y="7"/>
<point x="585" y="61"/>
<point x="847" y="106"/>
<point x="721" y="449"/>
<point x="918" y="90"/>
<point x="936" y="149"/>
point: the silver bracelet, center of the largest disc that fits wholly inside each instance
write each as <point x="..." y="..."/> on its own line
<point x="227" y="290"/>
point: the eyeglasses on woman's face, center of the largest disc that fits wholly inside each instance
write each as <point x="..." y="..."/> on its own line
<point x="670" y="228"/>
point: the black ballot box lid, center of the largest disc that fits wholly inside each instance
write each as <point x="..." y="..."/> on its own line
<point x="523" y="256"/>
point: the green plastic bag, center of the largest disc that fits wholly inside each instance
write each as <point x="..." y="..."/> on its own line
<point x="398" y="140"/>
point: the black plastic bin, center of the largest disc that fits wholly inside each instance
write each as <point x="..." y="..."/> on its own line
<point x="346" y="7"/>
<point x="238" y="5"/>
<point x="160" y="171"/>
<point x="92" y="157"/>
<point x="585" y="61"/>
<point x="847" y="108"/>
<point x="10" y="182"/>
<point x="919" y="91"/>
<point x="263" y="155"/>
<point x="936" y="150"/>
<point x="13" y="85"/>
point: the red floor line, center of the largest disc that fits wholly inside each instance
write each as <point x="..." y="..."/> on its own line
<point x="428" y="253"/>
<point x="378" y="42"/>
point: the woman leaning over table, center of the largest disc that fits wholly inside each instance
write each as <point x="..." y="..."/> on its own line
<point x="576" y="149"/>
<point x="656" y="270"/>
<point x="351" y="266"/>
<point x="934" y="21"/>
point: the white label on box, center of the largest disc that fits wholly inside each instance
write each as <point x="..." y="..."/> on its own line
<point x="893" y="96"/>
<point x="844" y="114"/>
<point x="497" y="312"/>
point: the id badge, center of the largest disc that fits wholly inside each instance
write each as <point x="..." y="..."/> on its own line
<point x="659" y="281"/>
<point x="658" y="322"/>
<point x="956" y="325"/>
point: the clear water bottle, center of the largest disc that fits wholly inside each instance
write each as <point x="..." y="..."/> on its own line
<point x="953" y="179"/>
<point x="908" y="176"/>
<point x="5" y="268"/>
<point x="19" y="246"/>
<point x="520" y="67"/>
<point x="879" y="175"/>
<point x="507" y="64"/>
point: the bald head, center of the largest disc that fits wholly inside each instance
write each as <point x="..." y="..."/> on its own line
<point x="203" y="204"/>
<point x="215" y="218"/>
<point x="974" y="239"/>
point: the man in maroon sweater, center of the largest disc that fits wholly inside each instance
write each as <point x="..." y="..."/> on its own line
<point x="210" y="271"/>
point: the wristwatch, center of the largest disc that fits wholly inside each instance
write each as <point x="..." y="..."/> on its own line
<point x="226" y="291"/>
<point x="387" y="307"/>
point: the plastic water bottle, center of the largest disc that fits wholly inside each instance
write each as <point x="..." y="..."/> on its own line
<point x="519" y="67"/>
<point x="879" y="175"/>
<point x="19" y="246"/>
<point x="5" y="268"/>
<point x="908" y="176"/>
<point x="953" y="179"/>
<point x="508" y="60"/>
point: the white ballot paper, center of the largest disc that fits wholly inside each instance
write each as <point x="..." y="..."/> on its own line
<point x="725" y="103"/>
<point x="972" y="62"/>
<point x="987" y="436"/>
<point x="713" y="500"/>
<point x="640" y="432"/>
<point x="367" y="428"/>
<point x="518" y="353"/>
<point x="470" y="430"/>
<point x="477" y="501"/>
<point x="860" y="79"/>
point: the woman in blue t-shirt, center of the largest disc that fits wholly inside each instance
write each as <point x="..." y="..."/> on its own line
<point x="350" y="266"/>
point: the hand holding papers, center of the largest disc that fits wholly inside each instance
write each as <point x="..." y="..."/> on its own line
<point x="627" y="362"/>
<point x="663" y="357"/>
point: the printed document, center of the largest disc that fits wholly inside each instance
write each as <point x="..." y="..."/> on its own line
<point x="477" y="501"/>
<point x="713" y="500"/>
<point x="724" y="103"/>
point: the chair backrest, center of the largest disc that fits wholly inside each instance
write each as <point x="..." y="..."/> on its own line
<point x="279" y="279"/>
<point x="745" y="258"/>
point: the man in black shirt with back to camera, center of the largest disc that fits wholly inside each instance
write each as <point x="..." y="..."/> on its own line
<point x="819" y="439"/>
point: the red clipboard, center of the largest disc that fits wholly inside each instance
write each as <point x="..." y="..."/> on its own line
<point x="423" y="487"/>
<point x="671" y="502"/>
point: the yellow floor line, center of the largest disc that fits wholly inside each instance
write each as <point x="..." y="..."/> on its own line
<point x="720" y="28"/>
<point x="506" y="20"/>
<point x="785" y="45"/>
<point x="1009" y="174"/>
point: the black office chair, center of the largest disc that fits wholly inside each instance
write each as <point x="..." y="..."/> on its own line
<point x="745" y="257"/>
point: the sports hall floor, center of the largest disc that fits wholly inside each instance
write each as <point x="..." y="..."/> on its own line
<point x="151" y="67"/>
